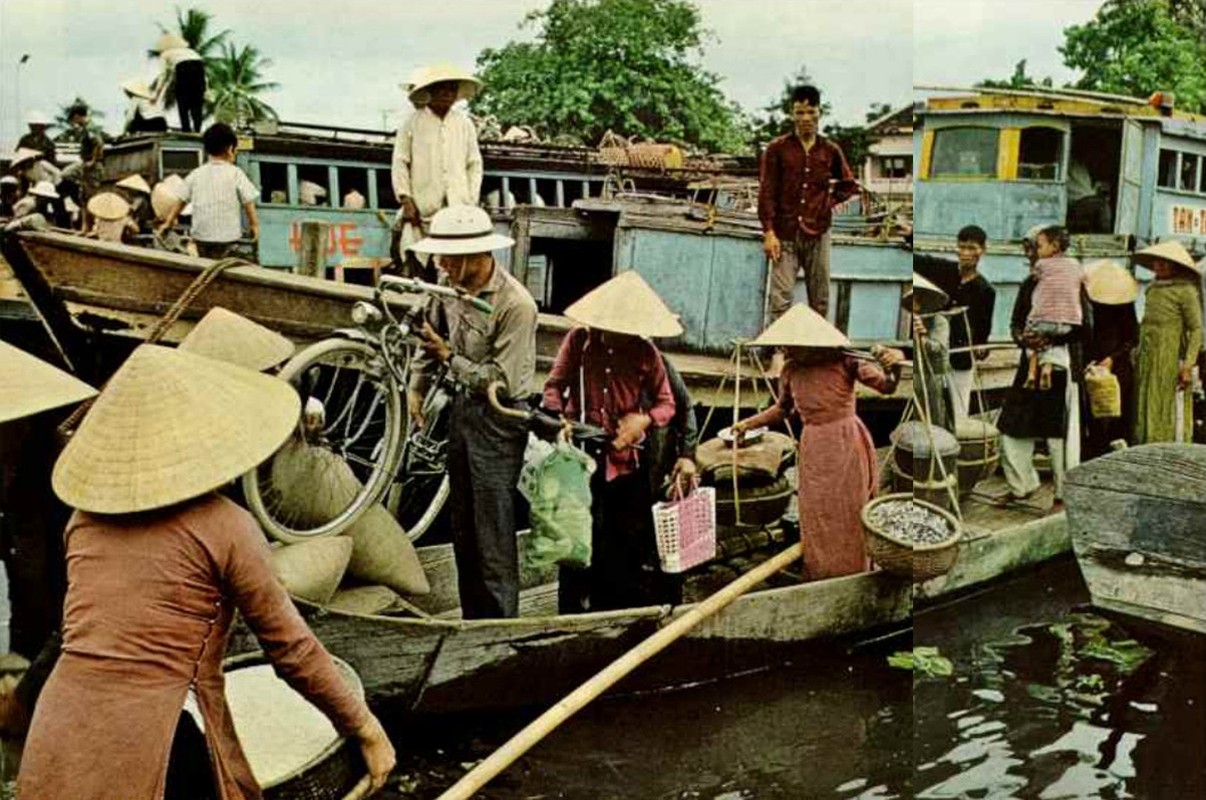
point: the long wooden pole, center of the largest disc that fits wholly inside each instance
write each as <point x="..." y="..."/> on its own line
<point x="543" y="725"/>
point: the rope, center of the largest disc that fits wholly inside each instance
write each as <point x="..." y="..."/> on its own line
<point x="920" y="359"/>
<point x="199" y="285"/>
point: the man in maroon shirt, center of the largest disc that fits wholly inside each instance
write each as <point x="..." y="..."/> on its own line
<point x="804" y="175"/>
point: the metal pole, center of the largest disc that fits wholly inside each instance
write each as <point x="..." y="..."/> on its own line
<point x="17" y="89"/>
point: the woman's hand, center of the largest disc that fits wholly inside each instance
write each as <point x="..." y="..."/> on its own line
<point x="1185" y="376"/>
<point x="378" y="752"/>
<point x="919" y="327"/>
<point x="888" y="357"/>
<point x="630" y="430"/>
<point x="683" y="475"/>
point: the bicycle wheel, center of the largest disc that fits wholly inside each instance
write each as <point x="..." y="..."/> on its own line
<point x="421" y="484"/>
<point x="343" y="455"/>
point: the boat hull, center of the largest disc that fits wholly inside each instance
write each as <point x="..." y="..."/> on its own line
<point x="1138" y="523"/>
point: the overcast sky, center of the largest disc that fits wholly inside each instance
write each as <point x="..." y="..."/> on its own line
<point x="341" y="62"/>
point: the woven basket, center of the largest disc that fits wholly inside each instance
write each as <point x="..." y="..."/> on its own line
<point x="333" y="773"/>
<point x="898" y="557"/>
<point x="613" y="150"/>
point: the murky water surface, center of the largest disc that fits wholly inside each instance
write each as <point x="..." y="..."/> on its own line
<point x="1046" y="701"/>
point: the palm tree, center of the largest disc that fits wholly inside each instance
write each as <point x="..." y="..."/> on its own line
<point x="69" y="134"/>
<point x="193" y="26"/>
<point x="235" y="81"/>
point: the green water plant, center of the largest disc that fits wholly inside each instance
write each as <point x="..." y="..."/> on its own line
<point x="925" y="660"/>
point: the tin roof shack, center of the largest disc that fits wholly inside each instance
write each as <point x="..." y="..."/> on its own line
<point x="1118" y="172"/>
<point x="887" y="171"/>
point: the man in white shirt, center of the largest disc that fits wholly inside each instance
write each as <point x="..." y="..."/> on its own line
<point x="220" y="194"/>
<point x="184" y="68"/>
<point x="436" y="160"/>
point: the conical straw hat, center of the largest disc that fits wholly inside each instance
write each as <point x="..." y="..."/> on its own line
<point x="171" y="426"/>
<point x="169" y="41"/>
<point x="468" y="85"/>
<point x="226" y="336"/>
<point x="135" y="183"/>
<point x="1171" y="250"/>
<point x="108" y="205"/>
<point x="801" y="327"/>
<point x="166" y="195"/>
<point x="31" y="385"/>
<point x="1109" y="283"/>
<point x="625" y="304"/>
<point x="930" y="298"/>
<point x="138" y="88"/>
<point x="24" y="154"/>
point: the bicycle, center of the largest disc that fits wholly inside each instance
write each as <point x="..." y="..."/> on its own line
<point x="355" y="423"/>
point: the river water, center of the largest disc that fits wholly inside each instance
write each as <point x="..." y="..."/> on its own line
<point x="1045" y="701"/>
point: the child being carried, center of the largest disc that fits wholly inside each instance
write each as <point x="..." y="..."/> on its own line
<point x="1055" y="305"/>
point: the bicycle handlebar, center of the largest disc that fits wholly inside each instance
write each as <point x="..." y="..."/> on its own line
<point x="414" y="285"/>
<point x="537" y="419"/>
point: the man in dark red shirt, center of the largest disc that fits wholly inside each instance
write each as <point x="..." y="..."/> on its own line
<point x="804" y="175"/>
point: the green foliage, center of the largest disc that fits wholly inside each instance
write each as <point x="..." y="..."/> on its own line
<point x="926" y="660"/>
<point x="1136" y="47"/>
<point x="1019" y="80"/>
<point x="621" y="65"/>
<point x="236" y="84"/>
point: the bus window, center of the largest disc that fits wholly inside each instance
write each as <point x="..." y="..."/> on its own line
<point x="1189" y="172"/>
<point x="1040" y="152"/>
<point x="274" y="182"/>
<point x="964" y="153"/>
<point x="385" y="189"/>
<point x="179" y="162"/>
<point x="1168" y="169"/>
<point x="318" y="190"/>
<point x="353" y="179"/>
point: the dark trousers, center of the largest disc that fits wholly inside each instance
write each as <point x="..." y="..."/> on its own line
<point x="485" y="455"/>
<point x="190" y="94"/>
<point x="213" y="250"/>
<point x="189" y="774"/>
<point x="623" y="570"/>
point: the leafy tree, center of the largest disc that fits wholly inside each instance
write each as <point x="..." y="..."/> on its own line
<point x="878" y="110"/>
<point x="776" y="115"/>
<point x="623" y="65"/>
<point x="1019" y="80"/>
<point x="1136" y="47"/>
<point x="235" y="84"/>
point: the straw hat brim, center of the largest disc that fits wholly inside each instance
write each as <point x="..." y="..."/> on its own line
<point x="135" y="183"/>
<point x="108" y="206"/>
<point x="801" y="326"/>
<point x="163" y="199"/>
<point x="1171" y="251"/>
<point x="929" y="297"/>
<point x="138" y="88"/>
<point x="1110" y="284"/>
<point x="171" y="426"/>
<point x="227" y="336"/>
<point x="31" y="386"/>
<point x="48" y="191"/>
<point x="24" y="154"/>
<point x="468" y="85"/>
<point x="449" y="247"/>
<point x="169" y="41"/>
<point x="625" y="304"/>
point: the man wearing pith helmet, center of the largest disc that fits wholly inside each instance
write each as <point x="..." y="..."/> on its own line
<point x="485" y="449"/>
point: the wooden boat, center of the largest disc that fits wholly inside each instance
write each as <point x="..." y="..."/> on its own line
<point x="1138" y="524"/>
<point x="83" y="288"/>
<point x="442" y="664"/>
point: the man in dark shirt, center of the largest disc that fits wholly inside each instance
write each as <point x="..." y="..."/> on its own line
<point x="972" y="325"/>
<point x="803" y="176"/>
<point x="37" y="139"/>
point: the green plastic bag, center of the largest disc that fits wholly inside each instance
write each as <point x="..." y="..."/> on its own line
<point x="556" y="483"/>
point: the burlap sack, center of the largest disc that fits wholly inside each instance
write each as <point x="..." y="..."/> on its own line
<point x="363" y="600"/>
<point x="313" y="483"/>
<point x="762" y="457"/>
<point x="313" y="570"/>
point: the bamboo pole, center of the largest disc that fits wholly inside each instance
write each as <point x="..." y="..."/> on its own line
<point x="547" y="722"/>
<point x="312" y="252"/>
<point x="360" y="790"/>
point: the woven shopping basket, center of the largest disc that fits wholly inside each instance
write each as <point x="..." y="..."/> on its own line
<point x="685" y="528"/>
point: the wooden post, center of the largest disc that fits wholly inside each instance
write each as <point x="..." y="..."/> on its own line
<point x="312" y="252"/>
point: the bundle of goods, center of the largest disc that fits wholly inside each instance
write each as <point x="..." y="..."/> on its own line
<point x="613" y="150"/>
<point x="362" y="570"/>
<point x="655" y="155"/>
<point x="293" y="749"/>
<point x="925" y="461"/>
<point x="979" y="452"/>
<point x="763" y="491"/>
<point x="909" y="537"/>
